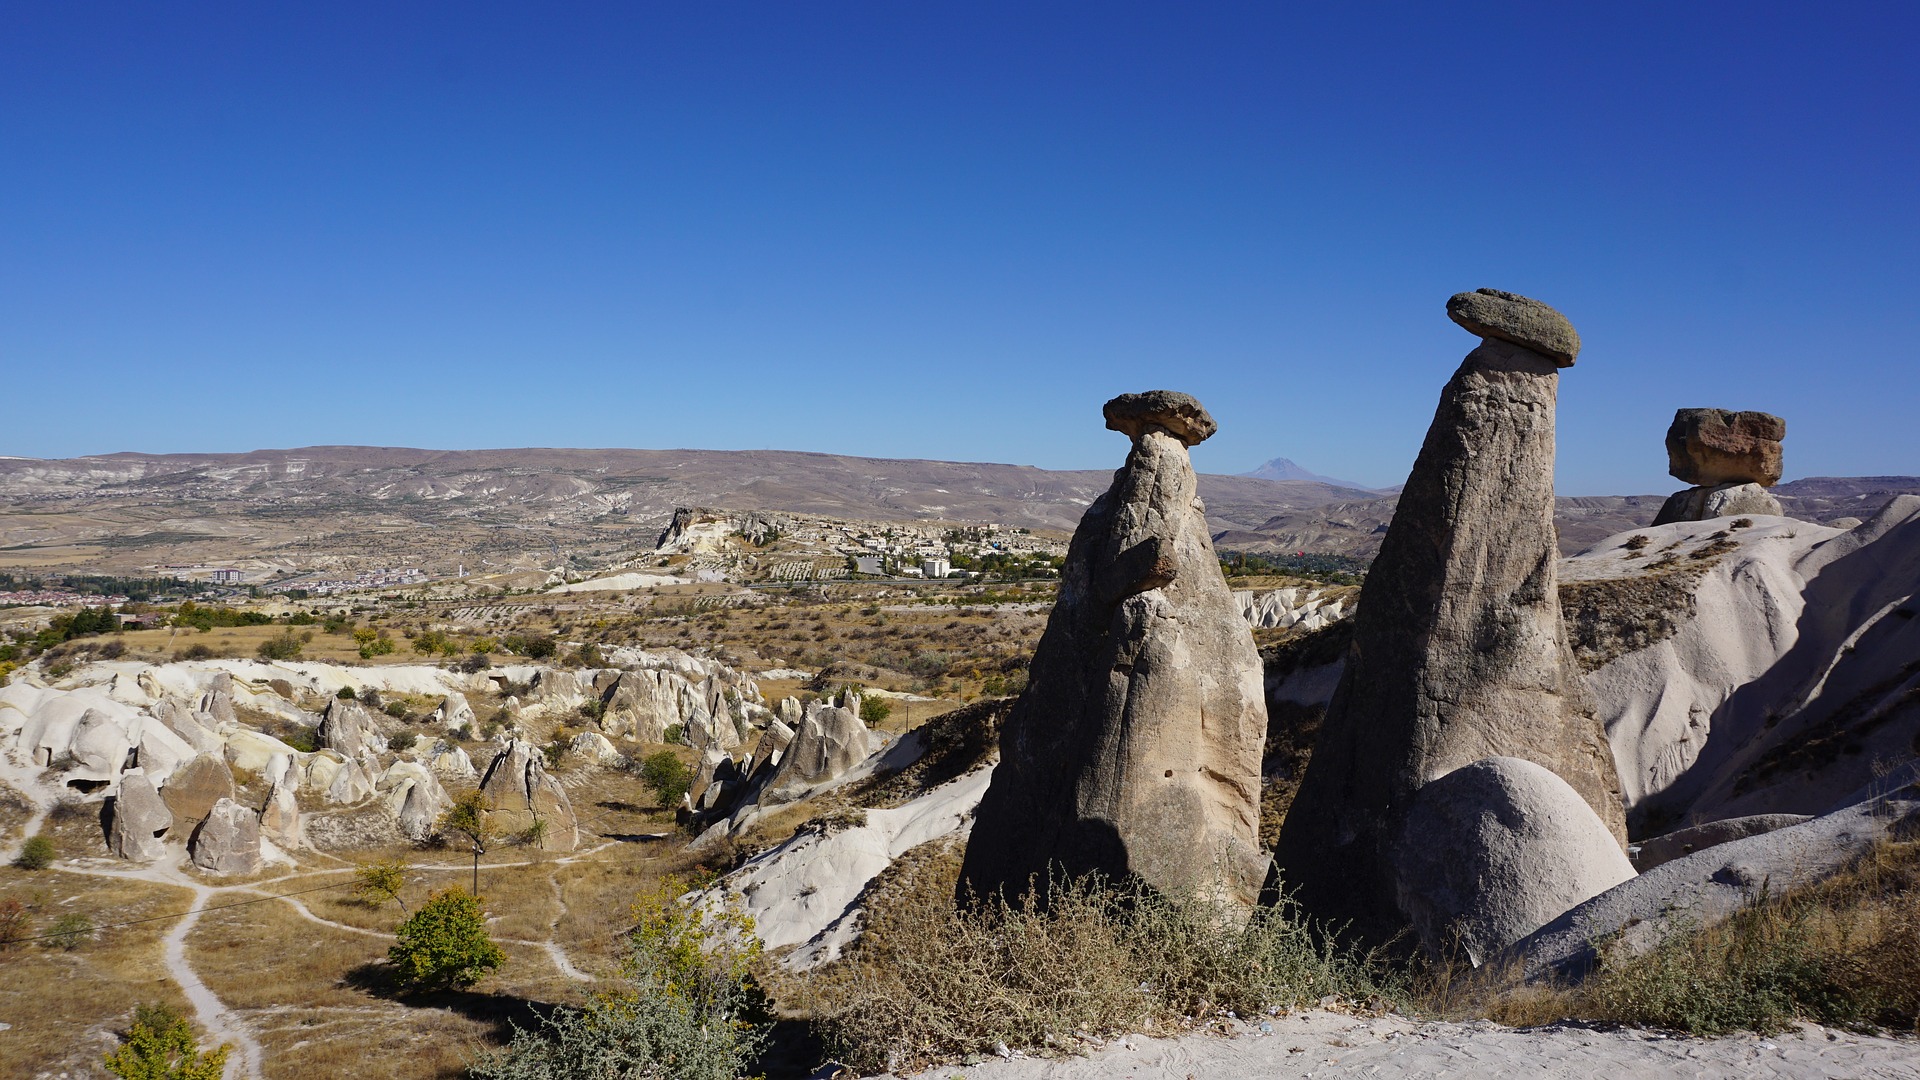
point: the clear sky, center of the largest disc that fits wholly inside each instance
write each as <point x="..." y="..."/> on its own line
<point x="950" y="230"/>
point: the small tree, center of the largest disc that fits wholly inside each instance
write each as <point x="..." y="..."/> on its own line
<point x="667" y="775"/>
<point x="161" y="1046"/>
<point x="378" y="882"/>
<point x="875" y="709"/>
<point x="70" y="931"/>
<point x="444" y="945"/>
<point x="468" y="816"/>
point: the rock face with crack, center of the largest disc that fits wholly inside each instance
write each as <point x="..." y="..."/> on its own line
<point x="522" y="792"/>
<point x="1492" y="851"/>
<point x="1458" y="651"/>
<point x="1135" y="750"/>
<point x="1730" y="458"/>
<point x="140" y="820"/>
<point x="228" y="841"/>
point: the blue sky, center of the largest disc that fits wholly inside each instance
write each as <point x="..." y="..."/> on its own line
<point x="950" y="230"/>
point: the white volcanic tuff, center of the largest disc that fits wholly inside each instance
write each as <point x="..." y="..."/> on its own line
<point x="1493" y="850"/>
<point x="88" y="730"/>
<point x="805" y="891"/>
<point x="1799" y="633"/>
<point x="1305" y="608"/>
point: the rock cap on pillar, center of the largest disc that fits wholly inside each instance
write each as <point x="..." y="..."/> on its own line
<point x="1180" y="415"/>
<point x="1710" y="447"/>
<point x="1528" y="323"/>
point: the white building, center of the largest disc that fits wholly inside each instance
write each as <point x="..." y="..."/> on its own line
<point x="935" y="567"/>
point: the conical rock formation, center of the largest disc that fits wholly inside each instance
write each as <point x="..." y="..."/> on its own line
<point x="1459" y="653"/>
<point x="1135" y="750"/>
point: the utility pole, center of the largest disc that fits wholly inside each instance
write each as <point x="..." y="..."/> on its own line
<point x="477" y="852"/>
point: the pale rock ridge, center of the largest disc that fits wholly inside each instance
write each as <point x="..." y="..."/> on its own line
<point x="194" y="789"/>
<point x="1459" y="652"/>
<point x="349" y="728"/>
<point x="1289" y="608"/>
<point x="830" y="741"/>
<point x="1135" y="749"/>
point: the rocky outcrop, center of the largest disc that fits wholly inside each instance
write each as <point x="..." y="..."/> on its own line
<point x="450" y="761"/>
<point x="455" y="711"/>
<point x="413" y="795"/>
<point x="1493" y="850"/>
<point x="140" y="820"/>
<point x="349" y="728"/>
<point x="521" y="792"/>
<point x="1458" y="649"/>
<point x="593" y="746"/>
<point x="280" y="815"/>
<point x="1706" y="886"/>
<point x="1709" y="447"/>
<point x="193" y="789"/>
<point x="831" y="740"/>
<point x="1135" y="749"/>
<point x="1730" y="458"/>
<point x="228" y="841"/>
<point x="1725" y="500"/>
<point x="1680" y="843"/>
<point x="1291" y="608"/>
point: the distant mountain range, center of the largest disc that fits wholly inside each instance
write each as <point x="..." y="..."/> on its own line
<point x="1286" y="469"/>
<point x="115" y="507"/>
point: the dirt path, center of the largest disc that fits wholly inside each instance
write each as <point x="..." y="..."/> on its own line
<point x="221" y="1024"/>
<point x="1326" y="1044"/>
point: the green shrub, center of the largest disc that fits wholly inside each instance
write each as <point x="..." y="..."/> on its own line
<point x="402" y="741"/>
<point x="36" y="854"/>
<point x="376" y="883"/>
<point x="691" y="1008"/>
<point x="444" y="945"/>
<point x="875" y="709"/>
<point x="282" y="646"/>
<point x="667" y="775"/>
<point x="161" y="1046"/>
<point x="345" y="694"/>
<point x="675" y="734"/>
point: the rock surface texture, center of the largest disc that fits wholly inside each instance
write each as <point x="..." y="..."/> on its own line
<point x="1509" y="317"/>
<point x="193" y="789"/>
<point x="1709" y="447"/>
<point x="140" y="820"/>
<point x="1493" y="850"/>
<point x="228" y="841"/>
<point x="1458" y="652"/>
<point x="521" y="792"/>
<point x="1730" y="458"/>
<point x="1135" y="750"/>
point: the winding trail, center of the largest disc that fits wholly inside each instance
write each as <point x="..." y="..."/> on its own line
<point x="219" y="1021"/>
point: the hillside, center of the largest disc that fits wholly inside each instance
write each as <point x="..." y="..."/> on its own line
<point x="1355" y="527"/>
<point x="114" y="512"/>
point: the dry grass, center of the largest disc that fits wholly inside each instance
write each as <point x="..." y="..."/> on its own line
<point x="930" y="982"/>
<point x="65" y="1006"/>
<point x="1844" y="952"/>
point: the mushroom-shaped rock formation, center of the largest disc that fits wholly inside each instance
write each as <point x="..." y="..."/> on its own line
<point x="1135" y="749"/>
<point x="1730" y="458"/>
<point x="1459" y="652"/>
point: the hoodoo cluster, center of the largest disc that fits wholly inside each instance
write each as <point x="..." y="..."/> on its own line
<point x="1462" y="786"/>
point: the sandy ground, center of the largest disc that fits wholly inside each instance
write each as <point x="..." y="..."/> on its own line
<point x="1327" y="1044"/>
